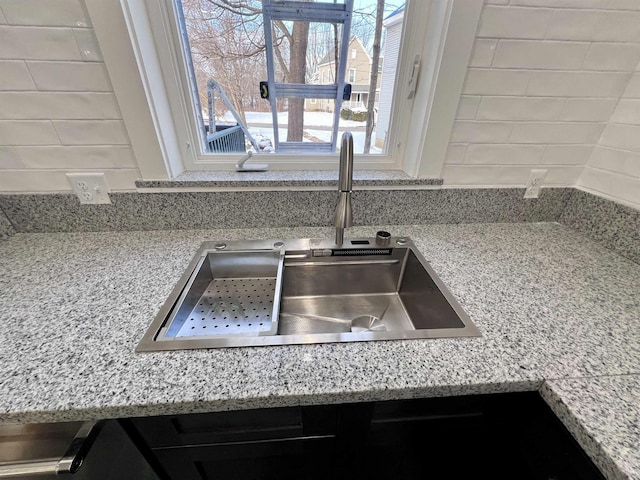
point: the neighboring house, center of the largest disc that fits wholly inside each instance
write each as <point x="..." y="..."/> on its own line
<point x="393" y="26"/>
<point x="357" y="73"/>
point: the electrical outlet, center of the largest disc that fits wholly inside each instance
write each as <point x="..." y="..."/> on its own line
<point x="90" y="188"/>
<point x="536" y="178"/>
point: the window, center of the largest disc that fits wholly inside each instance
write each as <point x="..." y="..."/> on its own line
<point x="156" y="43"/>
<point x="226" y="40"/>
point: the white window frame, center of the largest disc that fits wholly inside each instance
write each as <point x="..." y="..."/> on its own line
<point x="354" y="53"/>
<point x="352" y="75"/>
<point x="138" y="39"/>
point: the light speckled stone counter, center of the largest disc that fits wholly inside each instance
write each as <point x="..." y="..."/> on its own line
<point x="590" y="408"/>
<point x="6" y="229"/>
<point x="287" y="178"/>
<point x="550" y="304"/>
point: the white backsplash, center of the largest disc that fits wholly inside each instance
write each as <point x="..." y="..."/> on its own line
<point x="613" y="169"/>
<point x="59" y="113"/>
<point x="543" y="90"/>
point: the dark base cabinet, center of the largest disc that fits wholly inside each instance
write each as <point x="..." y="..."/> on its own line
<point x="278" y="443"/>
<point x="504" y="436"/>
<point x="509" y="436"/>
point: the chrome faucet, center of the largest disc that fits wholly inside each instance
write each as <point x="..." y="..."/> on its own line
<point x="344" y="214"/>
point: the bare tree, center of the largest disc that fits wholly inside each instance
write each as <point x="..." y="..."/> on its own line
<point x="291" y="64"/>
<point x="374" y="77"/>
<point x="321" y="40"/>
<point x="227" y="42"/>
<point x="228" y="48"/>
<point x="363" y="25"/>
<point x="227" y="36"/>
<point x="297" y="74"/>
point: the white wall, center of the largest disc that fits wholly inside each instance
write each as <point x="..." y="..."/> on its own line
<point x="541" y="90"/>
<point x="58" y="112"/>
<point x="613" y="170"/>
<point x="544" y="79"/>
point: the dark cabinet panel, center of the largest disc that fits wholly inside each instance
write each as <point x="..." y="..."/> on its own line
<point x="237" y="426"/>
<point x="486" y="436"/>
<point x="278" y="460"/>
<point x="483" y="436"/>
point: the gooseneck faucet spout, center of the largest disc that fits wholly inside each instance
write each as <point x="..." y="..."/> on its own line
<point x="344" y="214"/>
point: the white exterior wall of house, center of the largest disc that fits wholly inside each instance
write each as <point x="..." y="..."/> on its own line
<point x="357" y="73"/>
<point x="393" y="27"/>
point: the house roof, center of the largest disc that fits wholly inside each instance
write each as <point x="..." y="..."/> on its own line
<point x="394" y="17"/>
<point x="395" y="12"/>
<point x="330" y="57"/>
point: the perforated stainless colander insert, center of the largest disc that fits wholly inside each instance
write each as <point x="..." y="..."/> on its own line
<point x="229" y="293"/>
<point x="232" y="306"/>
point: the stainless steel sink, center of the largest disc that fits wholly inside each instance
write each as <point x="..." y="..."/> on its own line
<point x="282" y="292"/>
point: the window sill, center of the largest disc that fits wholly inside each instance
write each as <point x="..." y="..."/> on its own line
<point x="286" y="180"/>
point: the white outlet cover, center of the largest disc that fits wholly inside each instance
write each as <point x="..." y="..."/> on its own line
<point x="536" y="179"/>
<point x="532" y="192"/>
<point x="90" y="188"/>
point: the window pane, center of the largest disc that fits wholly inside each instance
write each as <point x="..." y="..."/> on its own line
<point x="322" y="41"/>
<point x="227" y="41"/>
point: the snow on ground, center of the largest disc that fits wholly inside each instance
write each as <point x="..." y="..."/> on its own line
<point x="258" y="127"/>
<point x="358" y="139"/>
<point x="259" y="133"/>
<point x="311" y="119"/>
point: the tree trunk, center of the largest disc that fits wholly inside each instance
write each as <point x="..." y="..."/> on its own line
<point x="297" y="74"/>
<point x="375" y="61"/>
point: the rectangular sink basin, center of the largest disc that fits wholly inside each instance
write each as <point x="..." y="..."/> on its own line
<point x="297" y="291"/>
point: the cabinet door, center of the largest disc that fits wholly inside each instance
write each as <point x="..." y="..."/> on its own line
<point x="113" y="456"/>
<point x="502" y="436"/>
<point x="309" y="458"/>
<point x="425" y="439"/>
<point x="292" y="442"/>
<point x="237" y="426"/>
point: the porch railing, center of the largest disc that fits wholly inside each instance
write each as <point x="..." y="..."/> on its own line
<point x="227" y="139"/>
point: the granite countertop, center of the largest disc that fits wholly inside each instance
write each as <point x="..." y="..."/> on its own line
<point x="557" y="312"/>
<point x="287" y="179"/>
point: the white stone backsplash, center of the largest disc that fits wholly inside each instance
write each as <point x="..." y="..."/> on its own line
<point x="553" y="85"/>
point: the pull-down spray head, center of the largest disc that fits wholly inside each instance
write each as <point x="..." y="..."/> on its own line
<point x="343" y="217"/>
